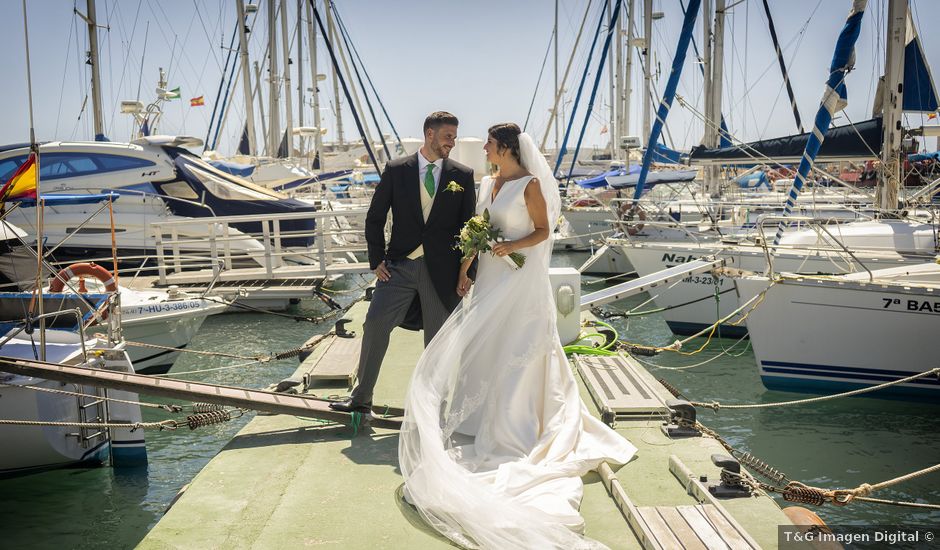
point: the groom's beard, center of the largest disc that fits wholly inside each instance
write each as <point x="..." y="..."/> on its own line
<point x="441" y="151"/>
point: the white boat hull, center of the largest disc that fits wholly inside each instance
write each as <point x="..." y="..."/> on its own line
<point x="690" y="305"/>
<point x="42" y="447"/>
<point x="825" y="336"/>
<point x="167" y="324"/>
<point x="33" y="448"/>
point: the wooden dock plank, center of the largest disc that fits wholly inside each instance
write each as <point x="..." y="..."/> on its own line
<point x="703" y="528"/>
<point x="658" y="529"/>
<point x="340" y="361"/>
<point x="688" y="537"/>
<point x="728" y="531"/>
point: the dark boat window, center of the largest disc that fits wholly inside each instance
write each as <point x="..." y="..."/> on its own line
<point x="63" y="165"/>
<point x="8" y="166"/>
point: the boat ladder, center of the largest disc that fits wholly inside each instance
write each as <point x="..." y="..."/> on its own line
<point x="259" y="400"/>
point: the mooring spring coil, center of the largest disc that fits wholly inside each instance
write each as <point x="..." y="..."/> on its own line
<point x="289" y="353"/>
<point x="205" y="419"/>
<point x="206" y="407"/>
<point x="761" y="467"/>
<point x="797" y="492"/>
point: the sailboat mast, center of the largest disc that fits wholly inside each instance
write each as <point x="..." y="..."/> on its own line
<point x="246" y="78"/>
<point x="315" y="79"/>
<point x="890" y="181"/>
<point x="331" y="29"/>
<point x="617" y="97"/>
<point x="554" y="117"/>
<point x="274" y="128"/>
<point x="92" y="21"/>
<point x="613" y="76"/>
<point x="34" y="148"/>
<point x="647" y="64"/>
<point x="555" y="39"/>
<point x="714" y="52"/>
<point x="288" y="102"/>
<point x="628" y="74"/>
<point x="298" y="32"/>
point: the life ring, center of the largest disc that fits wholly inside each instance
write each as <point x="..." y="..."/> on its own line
<point x="634" y="228"/>
<point x="89" y="269"/>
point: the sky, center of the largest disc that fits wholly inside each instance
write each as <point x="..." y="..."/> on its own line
<point x="480" y="60"/>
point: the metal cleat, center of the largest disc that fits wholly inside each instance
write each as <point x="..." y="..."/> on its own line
<point x="340" y="328"/>
<point x="732" y="483"/>
<point x="681" y="419"/>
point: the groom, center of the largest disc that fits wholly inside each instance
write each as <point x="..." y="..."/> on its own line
<point x="419" y="279"/>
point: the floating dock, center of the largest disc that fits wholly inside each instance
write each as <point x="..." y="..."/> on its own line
<point x="291" y="482"/>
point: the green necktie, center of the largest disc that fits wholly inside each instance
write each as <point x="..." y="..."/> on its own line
<point x="429" y="180"/>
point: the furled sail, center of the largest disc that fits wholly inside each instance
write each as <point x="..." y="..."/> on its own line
<point x="920" y="94"/>
<point x="834" y="99"/>
<point x="850" y="142"/>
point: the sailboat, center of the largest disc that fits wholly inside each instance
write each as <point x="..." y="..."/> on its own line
<point x="863" y="329"/>
<point x="825" y="334"/>
<point x="822" y="249"/>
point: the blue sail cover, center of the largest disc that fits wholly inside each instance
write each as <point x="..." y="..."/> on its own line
<point x="665" y="155"/>
<point x="853" y="141"/>
<point x="653" y="178"/>
<point x="688" y="23"/>
<point x="924" y="156"/>
<point x="754" y="180"/>
<point x="920" y="94"/>
<point x="600" y="180"/>
<point x="833" y="101"/>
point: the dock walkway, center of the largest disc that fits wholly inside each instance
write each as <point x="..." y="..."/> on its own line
<point x="288" y="482"/>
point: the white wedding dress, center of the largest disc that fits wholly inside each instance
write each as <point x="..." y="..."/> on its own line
<point x="496" y="437"/>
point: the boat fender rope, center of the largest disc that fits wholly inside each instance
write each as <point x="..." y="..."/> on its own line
<point x="199" y="408"/>
<point x="213" y="417"/>
<point x="803" y="494"/>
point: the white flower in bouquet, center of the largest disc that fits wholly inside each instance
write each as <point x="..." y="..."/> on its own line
<point x="478" y="235"/>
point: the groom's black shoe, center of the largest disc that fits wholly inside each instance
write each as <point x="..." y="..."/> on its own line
<point x="348" y="406"/>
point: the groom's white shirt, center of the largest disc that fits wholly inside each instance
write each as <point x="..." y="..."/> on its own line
<point x="426" y="200"/>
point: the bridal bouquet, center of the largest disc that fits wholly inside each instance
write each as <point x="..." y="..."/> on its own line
<point x="478" y="235"/>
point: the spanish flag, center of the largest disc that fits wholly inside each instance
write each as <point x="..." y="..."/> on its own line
<point x="23" y="182"/>
<point x="197" y="102"/>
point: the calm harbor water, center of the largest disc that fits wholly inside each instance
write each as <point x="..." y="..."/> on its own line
<point x="834" y="444"/>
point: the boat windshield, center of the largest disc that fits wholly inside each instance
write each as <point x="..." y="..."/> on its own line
<point x="227" y="186"/>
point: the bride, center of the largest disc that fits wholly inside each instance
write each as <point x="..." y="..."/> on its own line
<point x="496" y="437"/>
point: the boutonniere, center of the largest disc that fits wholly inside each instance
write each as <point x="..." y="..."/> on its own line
<point x="453" y="187"/>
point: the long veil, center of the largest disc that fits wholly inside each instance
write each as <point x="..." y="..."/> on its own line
<point x="482" y="489"/>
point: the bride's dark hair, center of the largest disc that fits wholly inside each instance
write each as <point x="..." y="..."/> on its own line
<point x="506" y="136"/>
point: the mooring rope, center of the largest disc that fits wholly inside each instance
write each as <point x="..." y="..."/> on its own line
<point x="168" y="408"/>
<point x="794" y="491"/>
<point x="161" y="425"/>
<point x="293" y="352"/>
<point x="208" y="414"/>
<point x="715" y="405"/>
<point x="258" y="360"/>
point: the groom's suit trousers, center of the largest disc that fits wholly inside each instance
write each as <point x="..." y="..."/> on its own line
<point x="390" y="302"/>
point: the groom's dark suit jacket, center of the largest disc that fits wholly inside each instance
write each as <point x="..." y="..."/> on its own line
<point x="399" y="191"/>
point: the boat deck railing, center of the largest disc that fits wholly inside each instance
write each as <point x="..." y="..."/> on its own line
<point x="335" y="239"/>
